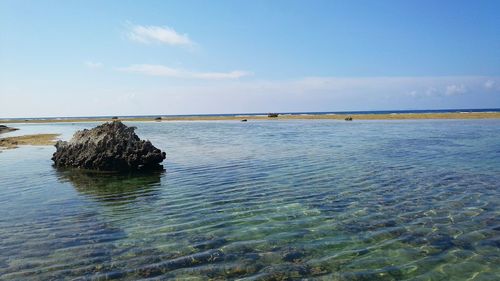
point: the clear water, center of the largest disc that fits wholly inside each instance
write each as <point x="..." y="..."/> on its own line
<point x="275" y="200"/>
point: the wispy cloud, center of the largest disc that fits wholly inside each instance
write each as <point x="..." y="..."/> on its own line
<point x="158" y="34"/>
<point x="247" y="95"/>
<point x="446" y="86"/>
<point x="153" y="70"/>
<point x="433" y="87"/>
<point x="453" y="90"/>
<point x="221" y="75"/>
<point x="322" y="94"/>
<point x="93" y="64"/>
<point x="161" y="70"/>
<point x="490" y="84"/>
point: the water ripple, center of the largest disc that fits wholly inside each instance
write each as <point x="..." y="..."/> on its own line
<point x="289" y="200"/>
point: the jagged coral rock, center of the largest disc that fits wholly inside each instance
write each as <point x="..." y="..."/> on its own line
<point x="109" y="147"/>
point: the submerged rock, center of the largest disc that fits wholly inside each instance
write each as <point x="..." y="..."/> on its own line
<point x="292" y="254"/>
<point x="109" y="147"/>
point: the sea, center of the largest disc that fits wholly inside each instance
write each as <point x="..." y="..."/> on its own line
<point x="419" y="111"/>
<point x="262" y="200"/>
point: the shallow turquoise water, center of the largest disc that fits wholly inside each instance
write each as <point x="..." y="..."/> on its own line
<point x="275" y="200"/>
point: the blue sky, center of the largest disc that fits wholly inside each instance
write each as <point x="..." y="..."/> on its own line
<point x="74" y="58"/>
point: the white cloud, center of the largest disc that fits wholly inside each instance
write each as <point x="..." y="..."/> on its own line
<point x="92" y="64"/>
<point x="453" y="90"/>
<point x="98" y="97"/>
<point x="153" y="70"/>
<point x="323" y="94"/>
<point x="158" y="34"/>
<point x="413" y="93"/>
<point x="428" y="87"/>
<point x="221" y="75"/>
<point x="161" y="70"/>
<point x="489" y="84"/>
<point x="431" y="91"/>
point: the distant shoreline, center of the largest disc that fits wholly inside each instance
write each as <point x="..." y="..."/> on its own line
<point x="205" y="116"/>
<point x="372" y="116"/>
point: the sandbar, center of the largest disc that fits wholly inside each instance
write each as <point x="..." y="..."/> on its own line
<point x="393" y="116"/>
<point x="37" y="139"/>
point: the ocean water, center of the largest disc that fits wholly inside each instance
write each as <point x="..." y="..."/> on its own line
<point x="268" y="200"/>
<point x="417" y="111"/>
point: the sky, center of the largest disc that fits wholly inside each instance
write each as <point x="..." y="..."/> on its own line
<point x="106" y="58"/>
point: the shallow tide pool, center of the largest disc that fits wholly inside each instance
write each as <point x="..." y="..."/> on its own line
<point x="263" y="200"/>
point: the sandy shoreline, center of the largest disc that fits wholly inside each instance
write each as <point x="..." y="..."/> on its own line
<point x="399" y="116"/>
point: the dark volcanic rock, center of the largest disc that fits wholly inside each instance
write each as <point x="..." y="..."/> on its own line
<point x="5" y="129"/>
<point x="109" y="147"/>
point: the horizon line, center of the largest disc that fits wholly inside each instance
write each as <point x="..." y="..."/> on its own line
<point x="264" y="113"/>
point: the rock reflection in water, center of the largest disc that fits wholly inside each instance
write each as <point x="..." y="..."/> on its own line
<point x="116" y="188"/>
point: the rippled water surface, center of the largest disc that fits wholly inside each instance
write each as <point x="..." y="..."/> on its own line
<point x="275" y="200"/>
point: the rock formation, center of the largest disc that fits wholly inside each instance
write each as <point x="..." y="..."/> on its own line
<point x="5" y="129"/>
<point x="109" y="147"/>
